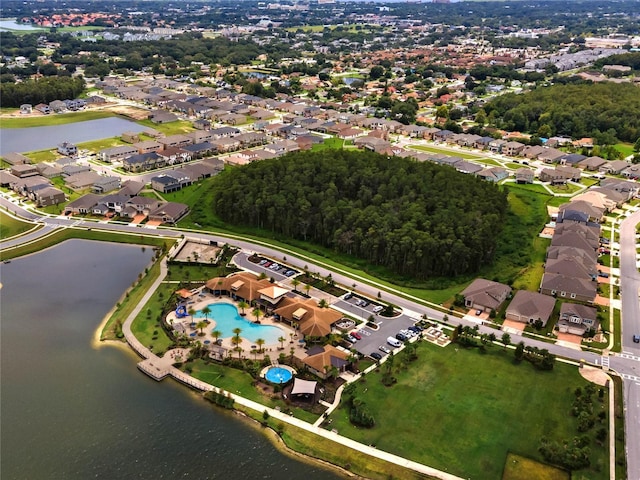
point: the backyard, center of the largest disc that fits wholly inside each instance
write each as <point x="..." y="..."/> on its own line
<point x="480" y="406"/>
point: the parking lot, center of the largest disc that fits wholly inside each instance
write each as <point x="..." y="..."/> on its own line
<point x="372" y="339"/>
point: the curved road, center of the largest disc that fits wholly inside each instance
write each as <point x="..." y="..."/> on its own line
<point x="626" y="364"/>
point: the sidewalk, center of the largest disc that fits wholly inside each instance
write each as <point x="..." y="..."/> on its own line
<point x="150" y="357"/>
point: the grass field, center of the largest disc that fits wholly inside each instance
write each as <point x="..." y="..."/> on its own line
<point x="522" y="468"/>
<point x="568" y="188"/>
<point x="530" y="187"/>
<point x="333" y="142"/>
<point x="43" y="155"/>
<point x="625" y="148"/>
<point x="480" y="406"/>
<point x="172" y="128"/>
<point x="10" y="227"/>
<point x="55" y="119"/>
<point x="446" y="151"/>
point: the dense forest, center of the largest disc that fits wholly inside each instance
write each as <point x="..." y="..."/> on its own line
<point x="419" y="220"/>
<point x="42" y="90"/>
<point x="606" y="111"/>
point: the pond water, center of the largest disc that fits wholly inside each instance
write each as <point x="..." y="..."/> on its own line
<point x="73" y="410"/>
<point x="351" y="80"/>
<point x="10" y="24"/>
<point x="40" y="138"/>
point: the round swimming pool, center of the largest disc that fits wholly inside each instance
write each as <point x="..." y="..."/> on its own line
<point x="278" y="375"/>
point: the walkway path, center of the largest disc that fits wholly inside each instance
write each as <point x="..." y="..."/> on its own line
<point x="158" y="369"/>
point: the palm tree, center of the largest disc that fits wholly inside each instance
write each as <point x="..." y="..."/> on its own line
<point x="236" y="332"/>
<point x="191" y="313"/>
<point x="257" y="313"/>
<point x="307" y="287"/>
<point x="237" y="341"/>
<point x="260" y="342"/>
<point x="201" y="324"/>
<point x="242" y="305"/>
<point x="216" y="334"/>
<point x="295" y="282"/>
<point x="206" y="311"/>
<point x="323" y="303"/>
<point x="281" y="339"/>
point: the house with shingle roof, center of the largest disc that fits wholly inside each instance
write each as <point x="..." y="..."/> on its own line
<point x="310" y="319"/>
<point x="485" y="294"/>
<point x="322" y="359"/>
<point x="528" y="307"/>
<point x="565" y="286"/>
<point x="577" y="319"/>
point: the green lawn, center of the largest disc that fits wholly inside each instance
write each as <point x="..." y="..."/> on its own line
<point x="531" y="187"/>
<point x="43" y="155"/>
<point x="333" y="142"/>
<point x="625" y="148"/>
<point x="568" y="188"/>
<point x="10" y="226"/>
<point x="521" y="468"/>
<point x="445" y="151"/>
<point x="172" y="128"/>
<point x="55" y="119"/>
<point x="101" y="144"/>
<point x="237" y="381"/>
<point x="146" y="327"/>
<point x="463" y="411"/>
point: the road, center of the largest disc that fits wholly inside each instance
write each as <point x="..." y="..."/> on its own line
<point x="626" y="364"/>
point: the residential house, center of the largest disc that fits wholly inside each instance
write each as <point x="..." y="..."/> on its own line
<point x="632" y="171"/>
<point x="465" y="166"/>
<point x="556" y="176"/>
<point x="577" y="319"/>
<point x="614" y="167"/>
<point x="592" y="213"/>
<point x="162" y="116"/>
<point x="442" y="135"/>
<point x="174" y="155"/>
<point x="200" y="136"/>
<point x="116" y="153"/>
<point x="524" y="175"/>
<point x="140" y="206"/>
<point x="57" y="106"/>
<point x="81" y="180"/>
<point x="573" y="159"/>
<point x="105" y="184"/>
<point x="530" y="307"/>
<point x="68" y="149"/>
<point x="550" y="155"/>
<point x="14" y="158"/>
<point x="512" y="149"/>
<point x="130" y="137"/>
<point x="43" y="108"/>
<point x="482" y="143"/>
<point x="171" y="181"/>
<point x="82" y="205"/>
<point x="564" y="286"/>
<point x="493" y="174"/>
<point x="176" y="141"/>
<point x="625" y="187"/>
<point x="532" y="151"/>
<point x="23" y="170"/>
<point x="47" y="196"/>
<point x="170" y="213"/>
<point x="485" y="295"/>
<point x="148" y="146"/>
<point x="496" y="145"/>
<point x="592" y="164"/>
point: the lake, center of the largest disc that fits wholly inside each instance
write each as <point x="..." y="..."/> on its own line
<point x="10" y="24"/>
<point x="72" y="410"/>
<point x="41" y="138"/>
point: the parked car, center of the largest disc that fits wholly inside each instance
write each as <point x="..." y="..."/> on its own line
<point x="267" y="264"/>
<point x="402" y="337"/>
<point x="394" y="342"/>
<point x="352" y="339"/>
<point x="348" y="296"/>
<point x="376" y="355"/>
<point x="478" y="312"/>
<point x="377" y="309"/>
<point x="414" y="329"/>
<point x="263" y="261"/>
<point x="384" y="349"/>
<point x="356" y="335"/>
<point x="603" y="274"/>
<point x="636" y="339"/>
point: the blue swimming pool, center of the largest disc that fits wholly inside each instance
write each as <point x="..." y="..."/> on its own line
<point x="278" y="375"/>
<point x="227" y="317"/>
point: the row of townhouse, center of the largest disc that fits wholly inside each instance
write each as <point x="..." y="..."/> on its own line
<point x="56" y="106"/>
<point x="36" y="188"/>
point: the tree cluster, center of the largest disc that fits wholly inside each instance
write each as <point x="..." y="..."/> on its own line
<point x="417" y="219"/>
<point x="42" y="90"/>
<point x="574" y="110"/>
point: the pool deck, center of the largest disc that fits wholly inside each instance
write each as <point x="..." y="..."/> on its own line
<point x="202" y="299"/>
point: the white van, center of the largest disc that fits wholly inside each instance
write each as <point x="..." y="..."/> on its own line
<point x="394" y="342"/>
